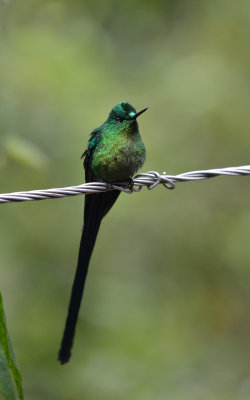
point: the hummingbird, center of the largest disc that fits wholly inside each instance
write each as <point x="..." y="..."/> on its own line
<point x="115" y="151"/>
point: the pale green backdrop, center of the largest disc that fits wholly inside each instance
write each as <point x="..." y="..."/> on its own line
<point x="165" y="314"/>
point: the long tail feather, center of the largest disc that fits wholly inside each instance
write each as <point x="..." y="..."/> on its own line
<point x="96" y="206"/>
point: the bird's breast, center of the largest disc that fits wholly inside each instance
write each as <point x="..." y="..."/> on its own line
<point x="118" y="160"/>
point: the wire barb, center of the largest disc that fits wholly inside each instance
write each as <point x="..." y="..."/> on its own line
<point x="149" y="179"/>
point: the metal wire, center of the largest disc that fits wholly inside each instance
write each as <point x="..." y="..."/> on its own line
<point x="149" y="179"/>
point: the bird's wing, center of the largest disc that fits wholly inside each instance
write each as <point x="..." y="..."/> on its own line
<point x="94" y="139"/>
<point x="110" y="197"/>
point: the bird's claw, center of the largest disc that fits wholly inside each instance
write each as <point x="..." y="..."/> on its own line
<point x="110" y="186"/>
<point x="129" y="184"/>
<point x="126" y="185"/>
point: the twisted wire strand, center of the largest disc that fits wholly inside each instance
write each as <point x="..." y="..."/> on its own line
<point x="149" y="179"/>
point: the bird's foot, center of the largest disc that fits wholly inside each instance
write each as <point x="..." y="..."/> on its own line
<point x="110" y="186"/>
<point x="127" y="184"/>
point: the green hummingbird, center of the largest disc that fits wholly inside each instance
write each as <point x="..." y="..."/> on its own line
<point x="114" y="153"/>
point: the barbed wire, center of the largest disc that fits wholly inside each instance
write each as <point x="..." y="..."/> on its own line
<point x="149" y="179"/>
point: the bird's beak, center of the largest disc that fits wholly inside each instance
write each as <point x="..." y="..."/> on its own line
<point x="139" y="113"/>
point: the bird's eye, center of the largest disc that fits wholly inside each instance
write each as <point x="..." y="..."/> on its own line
<point x="118" y="119"/>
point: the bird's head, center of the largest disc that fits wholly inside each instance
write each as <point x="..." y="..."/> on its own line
<point x="124" y="115"/>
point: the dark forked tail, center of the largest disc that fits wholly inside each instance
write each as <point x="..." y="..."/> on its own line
<point x="96" y="206"/>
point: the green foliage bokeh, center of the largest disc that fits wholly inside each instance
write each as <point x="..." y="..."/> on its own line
<point x="166" y="308"/>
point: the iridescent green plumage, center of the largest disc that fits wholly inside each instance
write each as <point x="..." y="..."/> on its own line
<point x="116" y="149"/>
<point x="115" y="152"/>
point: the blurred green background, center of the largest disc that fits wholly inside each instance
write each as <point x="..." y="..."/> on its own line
<point x="165" y="313"/>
